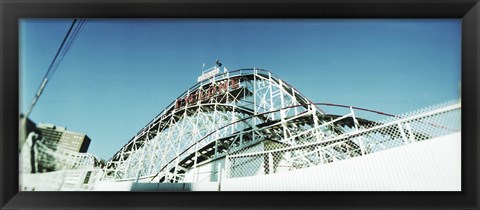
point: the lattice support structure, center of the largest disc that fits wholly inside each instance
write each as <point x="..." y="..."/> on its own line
<point x="213" y="117"/>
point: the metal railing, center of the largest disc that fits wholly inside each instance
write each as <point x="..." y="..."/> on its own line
<point x="37" y="157"/>
<point x="393" y="132"/>
<point x="62" y="180"/>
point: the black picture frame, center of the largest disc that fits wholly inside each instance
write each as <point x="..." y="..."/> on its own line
<point x="12" y="10"/>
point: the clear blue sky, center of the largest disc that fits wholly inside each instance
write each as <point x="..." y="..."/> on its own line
<point x="121" y="73"/>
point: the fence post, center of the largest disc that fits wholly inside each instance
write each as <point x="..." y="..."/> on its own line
<point x="402" y="132"/>
<point x="362" y="145"/>
<point x="270" y="163"/>
<point x="227" y="165"/>
<point x="219" y="174"/>
<point x="411" y="136"/>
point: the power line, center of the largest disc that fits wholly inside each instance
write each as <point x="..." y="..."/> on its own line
<point x="61" y="52"/>
<point x="60" y="49"/>
<point x="68" y="44"/>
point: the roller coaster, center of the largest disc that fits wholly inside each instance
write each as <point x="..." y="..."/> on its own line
<point x="248" y="122"/>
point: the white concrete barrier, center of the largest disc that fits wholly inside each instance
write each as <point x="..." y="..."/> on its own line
<point x="431" y="165"/>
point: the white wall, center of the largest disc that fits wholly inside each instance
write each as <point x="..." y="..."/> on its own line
<point x="205" y="173"/>
<point x="113" y="186"/>
<point x="64" y="180"/>
<point x="51" y="181"/>
<point x="431" y="165"/>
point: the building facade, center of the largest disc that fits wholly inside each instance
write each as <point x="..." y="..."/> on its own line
<point x="57" y="137"/>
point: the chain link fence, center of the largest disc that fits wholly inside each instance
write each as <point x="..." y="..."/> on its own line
<point x="270" y="157"/>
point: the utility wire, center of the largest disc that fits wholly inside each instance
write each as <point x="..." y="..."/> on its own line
<point x="59" y="49"/>
<point x="61" y="52"/>
<point x="68" y="44"/>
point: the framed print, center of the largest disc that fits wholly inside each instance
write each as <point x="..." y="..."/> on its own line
<point x="281" y="104"/>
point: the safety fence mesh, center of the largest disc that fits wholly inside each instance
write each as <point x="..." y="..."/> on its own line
<point x="420" y="125"/>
